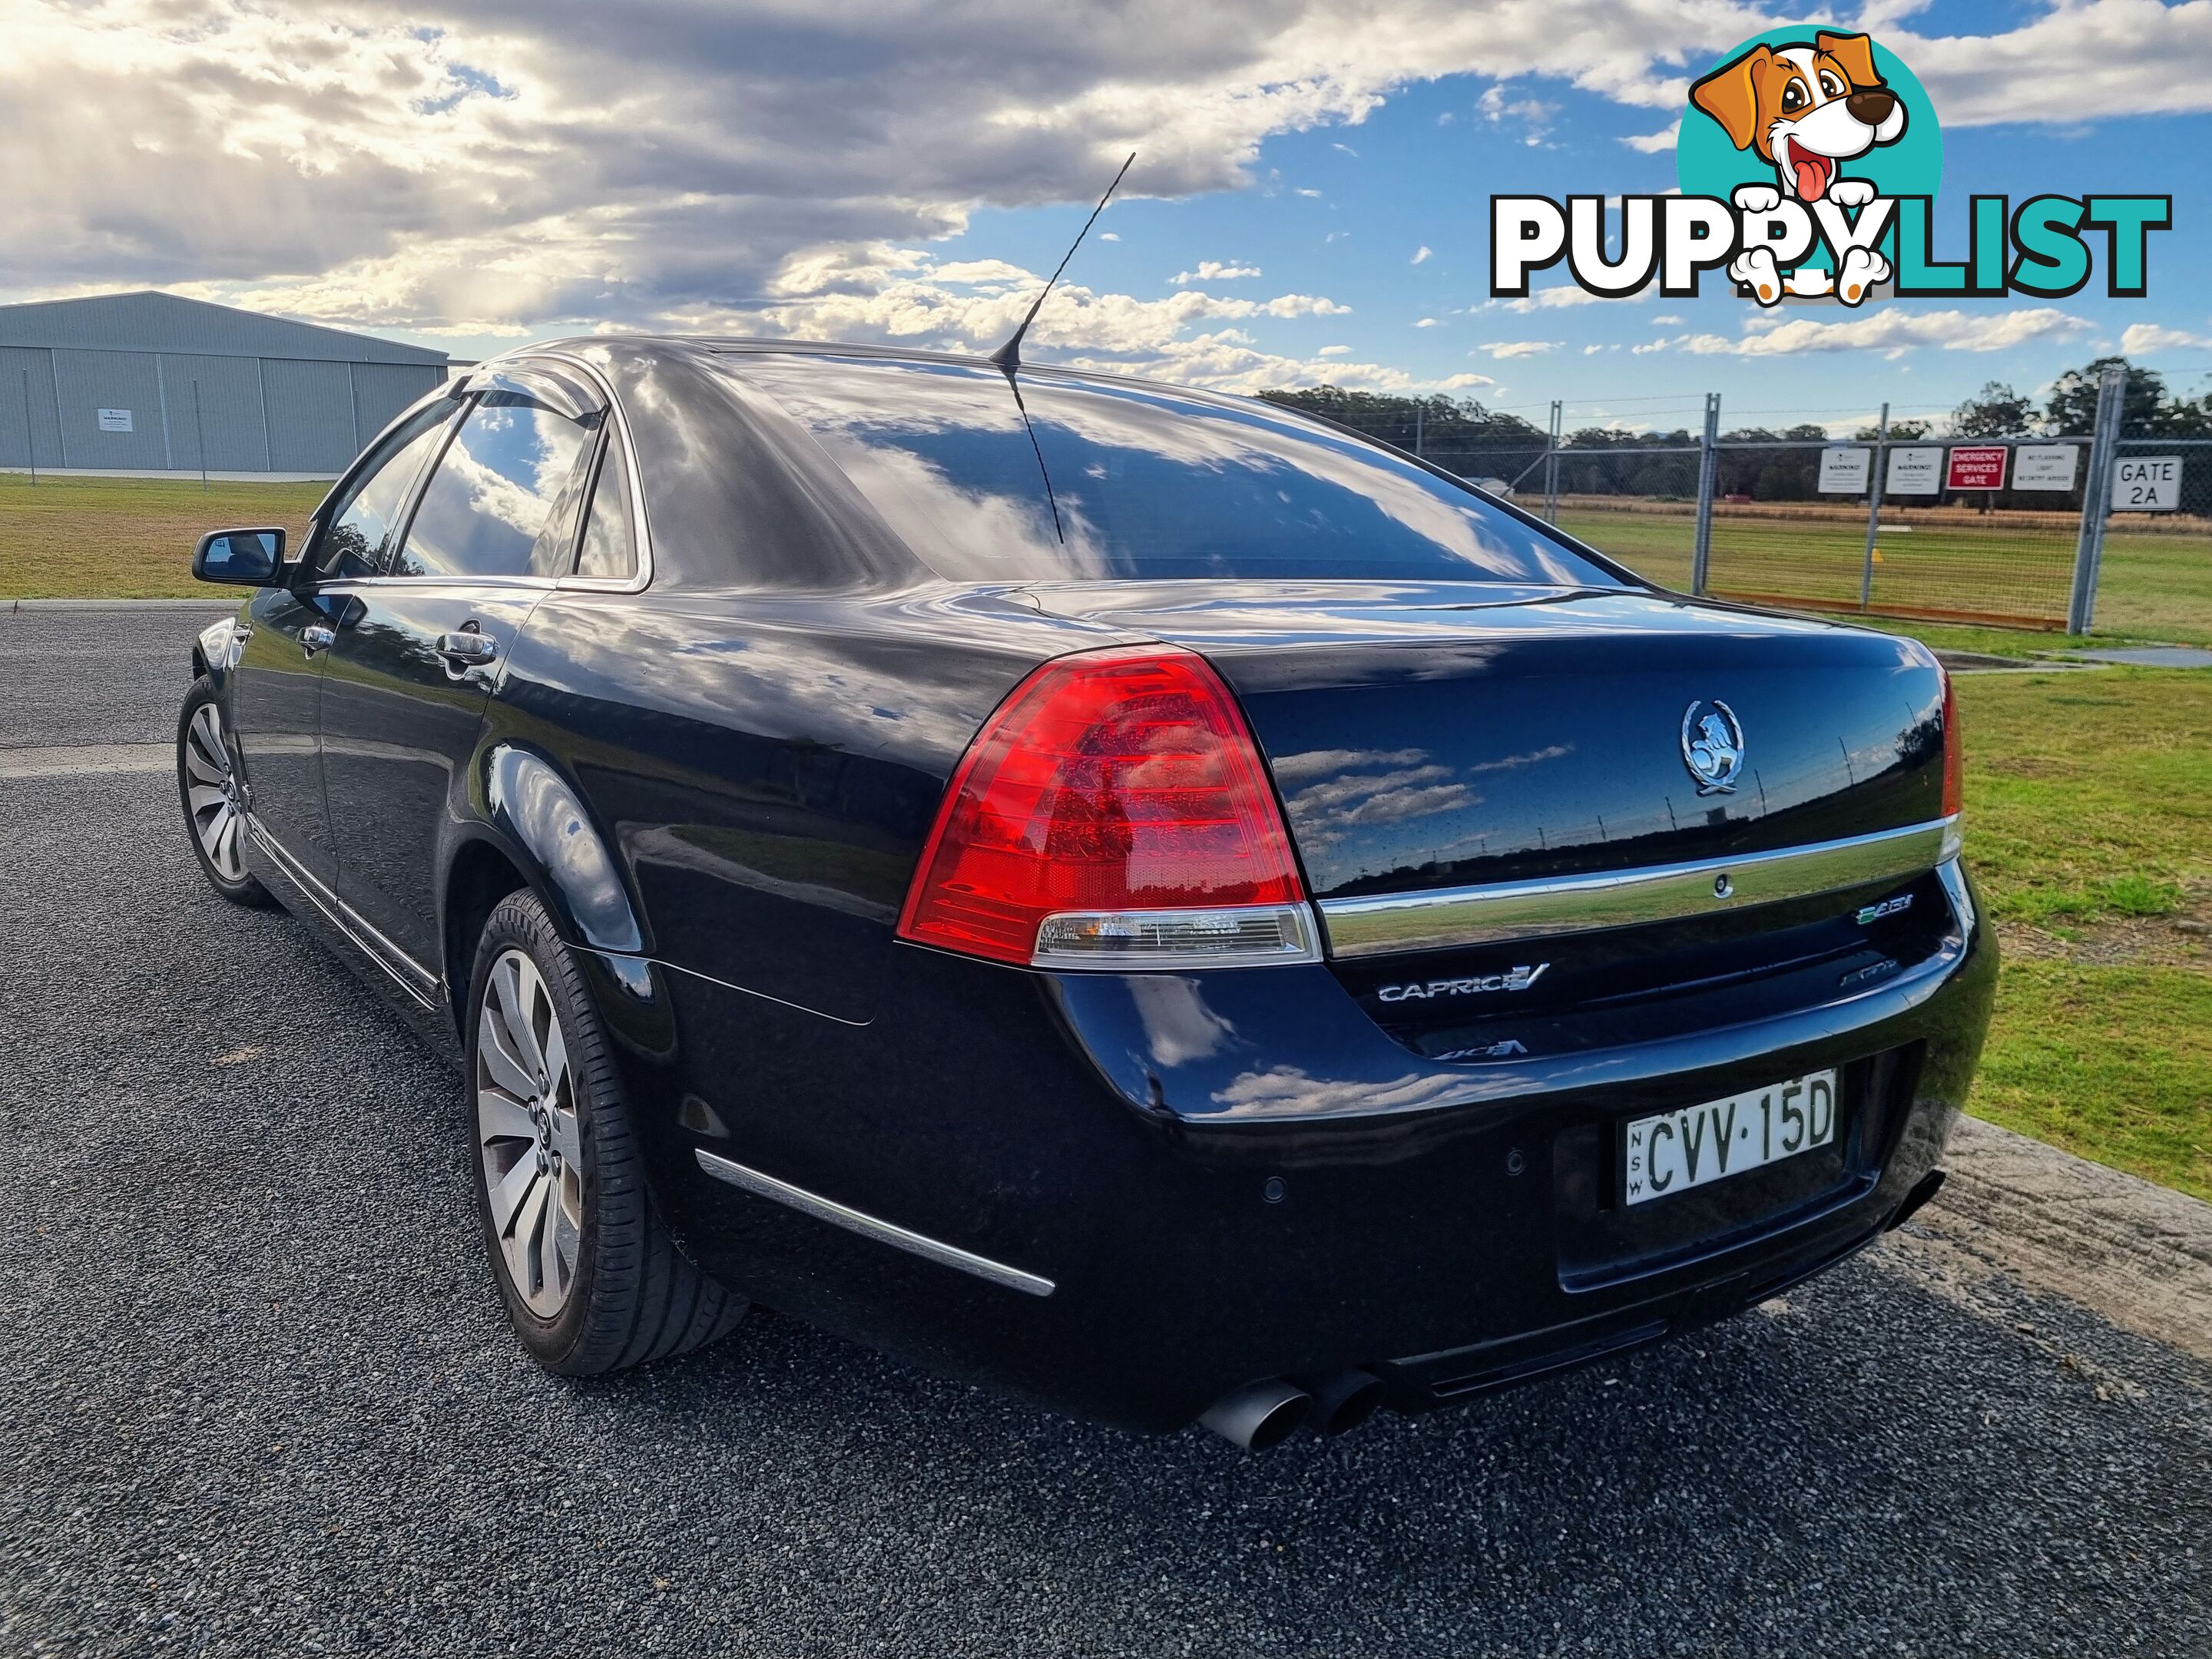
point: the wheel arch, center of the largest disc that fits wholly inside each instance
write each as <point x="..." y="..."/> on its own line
<point x="479" y="875"/>
<point x="536" y="833"/>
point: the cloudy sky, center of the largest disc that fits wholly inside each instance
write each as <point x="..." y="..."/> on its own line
<point x="1309" y="200"/>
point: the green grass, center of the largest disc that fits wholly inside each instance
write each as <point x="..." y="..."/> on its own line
<point x="2088" y="795"/>
<point x="127" y="537"/>
<point x="2153" y="587"/>
<point x="2089" y="804"/>
<point x="2111" y="1063"/>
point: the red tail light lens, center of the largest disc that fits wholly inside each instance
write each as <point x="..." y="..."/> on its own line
<point x="1111" y="786"/>
<point x="1954" y="754"/>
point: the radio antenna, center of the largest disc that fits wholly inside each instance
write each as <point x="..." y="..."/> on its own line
<point x="1009" y="356"/>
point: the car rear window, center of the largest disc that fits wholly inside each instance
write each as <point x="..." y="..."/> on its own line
<point x="1080" y="481"/>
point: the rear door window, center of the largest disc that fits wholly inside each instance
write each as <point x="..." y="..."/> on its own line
<point x="610" y="546"/>
<point x="502" y="501"/>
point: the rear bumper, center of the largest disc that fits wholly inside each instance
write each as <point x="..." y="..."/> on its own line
<point x="1231" y="1175"/>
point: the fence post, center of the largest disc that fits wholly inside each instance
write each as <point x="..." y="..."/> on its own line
<point x="199" y="436"/>
<point x="1551" y="469"/>
<point x="1701" y="547"/>
<point x="30" y="437"/>
<point x="1873" y="509"/>
<point x="2096" y="499"/>
<point x="1417" y="431"/>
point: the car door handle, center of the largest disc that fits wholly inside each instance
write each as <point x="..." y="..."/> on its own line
<point x="467" y="650"/>
<point x="318" y="636"/>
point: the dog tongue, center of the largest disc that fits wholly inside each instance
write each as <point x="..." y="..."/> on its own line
<point x="1812" y="173"/>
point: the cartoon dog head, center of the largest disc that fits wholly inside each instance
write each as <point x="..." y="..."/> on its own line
<point x="1805" y="108"/>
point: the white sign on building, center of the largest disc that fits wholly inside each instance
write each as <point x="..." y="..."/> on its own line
<point x="2045" y="466"/>
<point x="1915" y="471"/>
<point x="114" y="420"/>
<point x="1845" y="470"/>
<point x="2146" y="483"/>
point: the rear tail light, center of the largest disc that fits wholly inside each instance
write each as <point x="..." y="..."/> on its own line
<point x="1955" y="758"/>
<point x="1113" y="813"/>
<point x="1954" y="754"/>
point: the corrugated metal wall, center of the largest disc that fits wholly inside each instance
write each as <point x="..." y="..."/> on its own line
<point x="139" y="382"/>
<point x="311" y="419"/>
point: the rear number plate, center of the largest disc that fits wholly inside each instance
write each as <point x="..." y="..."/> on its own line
<point x="1693" y="1145"/>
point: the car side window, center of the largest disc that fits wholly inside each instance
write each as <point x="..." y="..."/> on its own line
<point x="362" y="528"/>
<point x="610" y="549"/>
<point x="502" y="501"/>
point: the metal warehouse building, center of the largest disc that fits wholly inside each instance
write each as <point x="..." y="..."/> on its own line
<point x="153" y="383"/>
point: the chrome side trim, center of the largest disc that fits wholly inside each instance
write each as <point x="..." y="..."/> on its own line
<point x="410" y="975"/>
<point x="839" y="1215"/>
<point x="1628" y="898"/>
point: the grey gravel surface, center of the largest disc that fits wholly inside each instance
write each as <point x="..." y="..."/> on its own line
<point x="256" y="1397"/>
<point x="92" y="677"/>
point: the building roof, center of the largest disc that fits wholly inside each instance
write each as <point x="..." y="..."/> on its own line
<point x="153" y="321"/>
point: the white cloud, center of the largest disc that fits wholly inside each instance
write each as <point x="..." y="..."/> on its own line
<point x="2086" y="60"/>
<point x="1592" y="351"/>
<point x="1214" y="271"/>
<point x="1652" y="142"/>
<point x="2140" y="339"/>
<point x="1566" y="294"/>
<point x="1668" y="321"/>
<point x="1894" y="332"/>
<point x="1335" y="351"/>
<point x="1503" y="349"/>
<point x="1423" y="254"/>
<point x="1533" y="113"/>
<point x="1428" y="322"/>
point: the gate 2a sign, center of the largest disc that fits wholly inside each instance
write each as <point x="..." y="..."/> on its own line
<point x="1977" y="467"/>
<point x="2147" y="483"/>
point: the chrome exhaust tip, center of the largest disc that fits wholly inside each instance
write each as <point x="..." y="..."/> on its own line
<point x="1259" y="1415"/>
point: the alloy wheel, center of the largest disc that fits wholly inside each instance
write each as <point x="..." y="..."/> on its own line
<point x="527" y="1133"/>
<point x="211" y="793"/>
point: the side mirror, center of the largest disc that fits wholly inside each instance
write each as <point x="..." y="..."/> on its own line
<point x="243" y="558"/>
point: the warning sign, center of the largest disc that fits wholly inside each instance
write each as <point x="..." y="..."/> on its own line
<point x="1977" y="467"/>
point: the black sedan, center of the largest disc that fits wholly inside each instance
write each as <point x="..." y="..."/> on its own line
<point x="1132" y="896"/>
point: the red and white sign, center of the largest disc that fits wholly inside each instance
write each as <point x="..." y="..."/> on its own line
<point x="1981" y="467"/>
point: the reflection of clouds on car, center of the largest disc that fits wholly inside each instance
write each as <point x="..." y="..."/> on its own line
<point x="1282" y="1088"/>
<point x="1410" y="786"/>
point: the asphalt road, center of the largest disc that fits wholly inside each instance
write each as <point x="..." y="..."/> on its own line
<point x="256" y="1395"/>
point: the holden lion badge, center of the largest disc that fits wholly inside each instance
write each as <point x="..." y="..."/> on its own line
<point x="1713" y="746"/>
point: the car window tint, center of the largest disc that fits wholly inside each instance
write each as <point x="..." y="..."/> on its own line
<point x="361" y="527"/>
<point x="610" y="549"/>
<point x="500" y="503"/>
<point x="1089" y="480"/>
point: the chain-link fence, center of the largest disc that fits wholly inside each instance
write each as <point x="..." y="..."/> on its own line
<point x="1804" y="526"/>
<point x="2009" y="531"/>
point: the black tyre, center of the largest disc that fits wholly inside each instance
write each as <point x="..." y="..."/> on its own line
<point x="590" y="1278"/>
<point x="207" y="787"/>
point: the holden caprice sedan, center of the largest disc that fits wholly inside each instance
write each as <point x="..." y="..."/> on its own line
<point x="1138" y="897"/>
